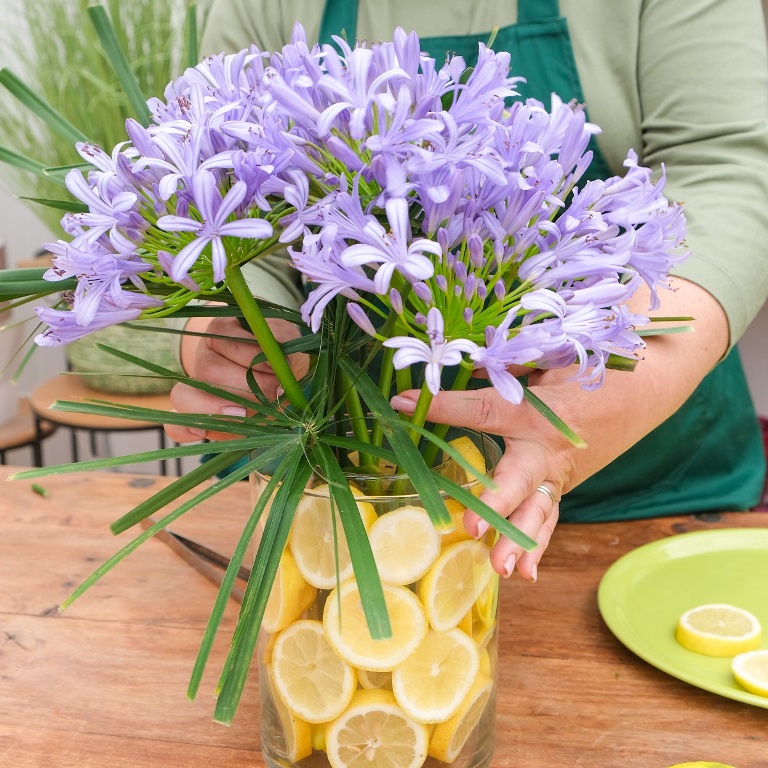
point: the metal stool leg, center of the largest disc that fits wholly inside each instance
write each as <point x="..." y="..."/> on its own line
<point x="37" y="445"/>
<point x="73" y="444"/>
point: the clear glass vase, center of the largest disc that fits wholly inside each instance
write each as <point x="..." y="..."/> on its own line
<point x="331" y="695"/>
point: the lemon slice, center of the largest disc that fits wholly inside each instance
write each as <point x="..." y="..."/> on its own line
<point x="297" y="733"/>
<point x="454" y="582"/>
<point x="375" y="733"/>
<point x="450" y="737"/>
<point x="312" y="541"/>
<point x="374" y="680"/>
<point x="314" y="683"/>
<point x="404" y="544"/>
<point x="459" y="532"/>
<point x="751" y="671"/>
<point x="718" y="629"/>
<point x="701" y="764"/>
<point x="289" y="598"/>
<point x="474" y="456"/>
<point x="347" y="628"/>
<point x="433" y="681"/>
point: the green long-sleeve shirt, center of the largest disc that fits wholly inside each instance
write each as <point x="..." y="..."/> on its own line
<point x="682" y="83"/>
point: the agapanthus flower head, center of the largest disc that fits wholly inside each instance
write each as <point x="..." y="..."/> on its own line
<point x="400" y="185"/>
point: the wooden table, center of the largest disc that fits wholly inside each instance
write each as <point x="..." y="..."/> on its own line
<point x="103" y="684"/>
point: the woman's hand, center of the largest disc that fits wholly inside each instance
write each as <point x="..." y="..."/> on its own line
<point x="610" y="420"/>
<point x="224" y="362"/>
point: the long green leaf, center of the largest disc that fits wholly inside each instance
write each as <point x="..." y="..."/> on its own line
<point x="132" y="546"/>
<point x="58" y="173"/>
<point x="194" y="478"/>
<point x="664" y="331"/>
<point x="455" y="455"/>
<point x="363" y="564"/>
<point x="70" y="206"/>
<point x="181" y="451"/>
<point x="192" y="52"/>
<point x="400" y="441"/>
<point x="55" y="121"/>
<point x="501" y="524"/>
<point x="109" y="41"/>
<point x="553" y="418"/>
<point x="270" y="549"/>
<point x="266" y="411"/>
<point x="22" y="162"/>
<point x="228" y="581"/>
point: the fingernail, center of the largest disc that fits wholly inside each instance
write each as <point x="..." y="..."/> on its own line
<point x="233" y="410"/>
<point x="402" y="404"/>
<point x="482" y="529"/>
<point x="201" y="433"/>
<point x="509" y="565"/>
<point x="534" y="572"/>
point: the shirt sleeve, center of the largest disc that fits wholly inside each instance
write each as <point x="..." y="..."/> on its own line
<point x="703" y="90"/>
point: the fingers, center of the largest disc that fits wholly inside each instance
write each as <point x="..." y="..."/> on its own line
<point x="224" y="362"/>
<point x="536" y="517"/>
<point x="527" y="499"/>
<point x="483" y="410"/>
<point x="186" y="399"/>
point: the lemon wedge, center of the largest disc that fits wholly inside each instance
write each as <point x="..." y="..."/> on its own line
<point x="718" y="629"/>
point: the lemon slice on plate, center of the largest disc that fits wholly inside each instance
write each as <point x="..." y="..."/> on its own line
<point x="347" y="627"/>
<point x="404" y="544"/>
<point x="751" y="671"/>
<point x="450" y="737"/>
<point x="454" y="582"/>
<point x="375" y="733"/>
<point x="315" y="538"/>
<point x="433" y="681"/>
<point x="718" y="629"/>
<point x="289" y="598"/>
<point x="313" y="682"/>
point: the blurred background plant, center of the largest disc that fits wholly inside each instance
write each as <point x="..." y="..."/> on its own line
<point x="54" y="47"/>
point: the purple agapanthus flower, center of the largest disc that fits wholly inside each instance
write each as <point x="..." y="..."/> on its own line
<point x="436" y="354"/>
<point x="395" y="181"/>
<point x="213" y="225"/>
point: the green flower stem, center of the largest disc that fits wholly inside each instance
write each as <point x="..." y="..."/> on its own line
<point x="385" y="387"/>
<point x="459" y="385"/>
<point x="357" y="418"/>
<point x="418" y="418"/>
<point x="263" y="333"/>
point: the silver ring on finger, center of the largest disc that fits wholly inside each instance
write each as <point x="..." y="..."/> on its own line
<point x="548" y="493"/>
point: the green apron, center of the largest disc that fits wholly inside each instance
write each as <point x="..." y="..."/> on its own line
<point x="709" y="454"/>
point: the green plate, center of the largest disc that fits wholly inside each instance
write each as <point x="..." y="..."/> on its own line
<point x="642" y="595"/>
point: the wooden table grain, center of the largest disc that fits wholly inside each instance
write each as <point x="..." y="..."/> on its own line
<point x="103" y="684"/>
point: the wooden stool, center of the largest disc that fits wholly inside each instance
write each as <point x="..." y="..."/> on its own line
<point x="72" y="387"/>
<point x="24" y="429"/>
